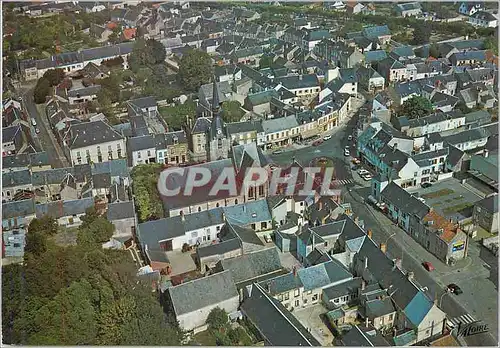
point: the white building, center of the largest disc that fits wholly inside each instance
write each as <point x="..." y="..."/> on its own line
<point x="93" y="142"/>
<point x="484" y="19"/>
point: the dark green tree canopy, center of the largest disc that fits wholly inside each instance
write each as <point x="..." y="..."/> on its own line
<point x="415" y="107"/>
<point x="195" y="69"/>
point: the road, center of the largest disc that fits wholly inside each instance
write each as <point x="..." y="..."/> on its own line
<point x="401" y="245"/>
<point x="45" y="138"/>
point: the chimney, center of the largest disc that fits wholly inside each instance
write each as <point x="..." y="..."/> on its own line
<point x="363" y="285"/>
<point x="397" y="263"/>
<point x="320" y="205"/>
<point x="383" y="247"/>
<point x="183" y="218"/>
<point x="486" y="153"/>
<point x="410" y="275"/>
<point x="394" y="147"/>
<point x="367" y="322"/>
<point x="369" y="233"/>
<point x="366" y="262"/>
<point x="300" y="77"/>
<point x="294" y="271"/>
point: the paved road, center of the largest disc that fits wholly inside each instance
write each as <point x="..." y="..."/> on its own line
<point x="400" y="245"/>
<point x="45" y="137"/>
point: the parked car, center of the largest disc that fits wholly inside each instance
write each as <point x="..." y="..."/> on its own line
<point x="426" y="184"/>
<point x="363" y="172"/>
<point x="37" y="130"/>
<point x="356" y="161"/>
<point x="428" y="266"/>
<point x="327" y="137"/>
<point x="349" y="138"/>
<point x="33" y="122"/>
<point x="346" y="152"/>
<point x="276" y="152"/>
<point x="454" y="288"/>
<point x="367" y="177"/>
<point x="267" y="238"/>
<point x="318" y="142"/>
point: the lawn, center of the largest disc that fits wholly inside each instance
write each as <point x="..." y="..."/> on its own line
<point x="439" y="193"/>
<point x="205" y="338"/>
<point x="456" y="208"/>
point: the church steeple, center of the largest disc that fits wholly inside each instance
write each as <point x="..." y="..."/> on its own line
<point x="215" y="98"/>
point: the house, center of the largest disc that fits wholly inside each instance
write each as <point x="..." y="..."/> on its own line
<point x="83" y="95"/>
<point x="17" y="214"/>
<point x="247" y="132"/>
<point x="37" y="161"/>
<point x="468" y="57"/>
<point x="14" y="183"/>
<point x="392" y="70"/>
<point x="469" y="8"/>
<point x="208" y="256"/>
<point x="484" y="19"/>
<point x="370" y="80"/>
<point x="468" y="139"/>
<point x="193" y="301"/>
<point x="485" y="168"/>
<point x="172" y="148"/>
<point x="251" y="266"/>
<point x="377" y="307"/>
<point x="434" y="123"/>
<point x="409" y="9"/>
<point x="276" y="325"/>
<point x="364" y="336"/>
<point x="142" y="149"/>
<point x="100" y="32"/>
<point x="92" y="7"/>
<point x="93" y="142"/>
<point x="122" y="216"/>
<point x="129" y="34"/>
<point x="280" y="131"/>
<point x="485" y="213"/>
<point x="67" y="213"/>
<point x="303" y="86"/>
<point x="381" y="33"/>
<point x="352" y="7"/>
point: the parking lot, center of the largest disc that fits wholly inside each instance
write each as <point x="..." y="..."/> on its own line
<point x="449" y="198"/>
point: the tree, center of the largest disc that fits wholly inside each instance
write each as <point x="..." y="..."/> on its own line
<point x="415" y="107"/>
<point x="195" y="69"/>
<point x="54" y="76"/>
<point x="490" y="43"/>
<point x="421" y="33"/>
<point x="231" y="111"/>
<point x="148" y="201"/>
<point x="175" y="116"/>
<point x="42" y="90"/>
<point x="434" y="51"/>
<point x="217" y="319"/>
<point x="265" y="61"/>
<point x="157" y="51"/>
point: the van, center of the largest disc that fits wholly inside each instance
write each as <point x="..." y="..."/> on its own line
<point x="33" y="122"/>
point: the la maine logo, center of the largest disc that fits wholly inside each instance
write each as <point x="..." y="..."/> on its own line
<point x="474" y="328"/>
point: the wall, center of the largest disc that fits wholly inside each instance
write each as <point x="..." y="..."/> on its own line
<point x="93" y="152"/>
<point x="123" y="227"/>
<point x="426" y="329"/>
<point x="190" y="321"/>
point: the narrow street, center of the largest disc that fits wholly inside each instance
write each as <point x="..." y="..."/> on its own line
<point x="477" y="300"/>
<point x="45" y="138"/>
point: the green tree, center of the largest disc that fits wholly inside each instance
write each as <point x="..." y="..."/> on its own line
<point x="148" y="201"/>
<point x="217" y="319"/>
<point x="231" y="111"/>
<point x="434" y="51"/>
<point x="421" y="33"/>
<point x="195" y="69"/>
<point x="157" y="51"/>
<point x="98" y="232"/>
<point x="42" y="90"/>
<point x="46" y="224"/>
<point x="490" y="43"/>
<point x="54" y="76"/>
<point x="415" y="107"/>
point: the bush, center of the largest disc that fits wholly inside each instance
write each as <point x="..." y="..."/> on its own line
<point x="217" y="319"/>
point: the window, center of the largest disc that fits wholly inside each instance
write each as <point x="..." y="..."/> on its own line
<point x="315" y="297"/>
<point x="204" y="238"/>
<point x="297" y="303"/>
<point x="305" y="301"/>
<point x="199" y="209"/>
<point x="391" y="316"/>
<point x="263" y="225"/>
<point x="139" y="154"/>
<point x="253" y="227"/>
<point x="218" y="228"/>
<point x="17" y="245"/>
<point x="119" y="150"/>
<point x="287" y="296"/>
<point x="149" y="153"/>
<point x="296" y="293"/>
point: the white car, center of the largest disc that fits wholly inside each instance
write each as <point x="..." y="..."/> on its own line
<point x="363" y="172"/>
<point x="367" y="177"/>
<point x="346" y="152"/>
<point x="327" y="137"/>
<point x="349" y="138"/>
<point x="33" y="122"/>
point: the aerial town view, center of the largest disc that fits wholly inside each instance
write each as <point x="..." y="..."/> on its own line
<point x="250" y="173"/>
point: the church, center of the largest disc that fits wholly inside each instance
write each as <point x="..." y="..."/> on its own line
<point x="218" y="139"/>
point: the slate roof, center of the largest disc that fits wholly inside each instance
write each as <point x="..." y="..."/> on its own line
<point x="203" y="292"/>
<point x="60" y="209"/>
<point x="362" y="336"/>
<point x="278" y="124"/>
<point x="86" y="91"/>
<point x="91" y="133"/>
<point x="379" y="307"/>
<point x="201" y="125"/>
<point x="21" y="208"/>
<point x="375" y="56"/>
<point x="219" y="248"/>
<point x="490" y="204"/>
<point x="145" y="102"/>
<point x="376" y="31"/>
<point x="245" y="127"/>
<point x="301" y="81"/>
<point x="404" y="201"/>
<point x="247" y="155"/>
<point x="465" y="136"/>
<point x="120" y="210"/>
<point x="116" y="168"/>
<point x="343" y="289"/>
<point x="278" y="326"/>
<point x="434" y="118"/>
<point x="141" y="143"/>
<point x="17" y="178"/>
<point x="244" y="235"/>
<point x="252" y="265"/>
<point x="324" y="274"/>
<point x="281" y="284"/>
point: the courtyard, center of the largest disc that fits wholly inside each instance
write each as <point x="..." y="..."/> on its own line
<point x="312" y="319"/>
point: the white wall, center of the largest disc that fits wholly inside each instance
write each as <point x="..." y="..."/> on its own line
<point x="190" y="321"/>
<point x="93" y="152"/>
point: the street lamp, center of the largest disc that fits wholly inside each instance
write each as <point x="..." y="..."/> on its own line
<point x="392" y="235"/>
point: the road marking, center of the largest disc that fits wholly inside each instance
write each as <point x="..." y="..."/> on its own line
<point x="464" y="319"/>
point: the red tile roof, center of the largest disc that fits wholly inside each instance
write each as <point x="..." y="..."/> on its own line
<point x="129" y="33"/>
<point x="440" y="222"/>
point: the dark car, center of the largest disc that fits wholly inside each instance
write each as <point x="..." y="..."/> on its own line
<point x="426" y="184"/>
<point x="318" y="142"/>
<point x="454" y="288"/>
